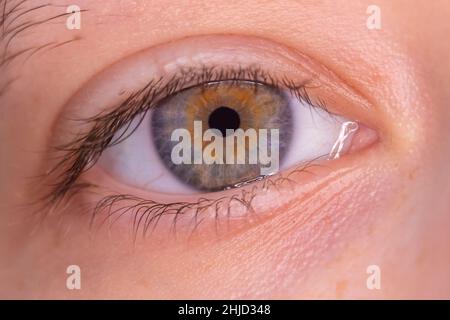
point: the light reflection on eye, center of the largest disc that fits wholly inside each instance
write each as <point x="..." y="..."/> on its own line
<point x="146" y="158"/>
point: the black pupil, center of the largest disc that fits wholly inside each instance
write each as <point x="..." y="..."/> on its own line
<point x="224" y="118"/>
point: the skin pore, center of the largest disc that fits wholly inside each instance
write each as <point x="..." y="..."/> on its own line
<point x="386" y="204"/>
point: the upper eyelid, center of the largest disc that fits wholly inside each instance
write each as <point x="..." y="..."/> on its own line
<point x="149" y="94"/>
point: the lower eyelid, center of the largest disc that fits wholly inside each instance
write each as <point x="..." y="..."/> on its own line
<point x="219" y="213"/>
<point x="216" y="212"/>
<point x="145" y="213"/>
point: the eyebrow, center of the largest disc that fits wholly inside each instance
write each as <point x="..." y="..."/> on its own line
<point x="18" y="17"/>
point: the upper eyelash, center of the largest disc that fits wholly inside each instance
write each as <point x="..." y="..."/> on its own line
<point x="84" y="151"/>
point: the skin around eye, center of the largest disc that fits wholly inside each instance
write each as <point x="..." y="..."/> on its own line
<point x="311" y="235"/>
<point x="148" y="209"/>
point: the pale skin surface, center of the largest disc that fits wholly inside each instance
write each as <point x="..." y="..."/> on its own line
<point x="388" y="206"/>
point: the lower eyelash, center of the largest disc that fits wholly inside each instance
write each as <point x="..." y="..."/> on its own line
<point x="147" y="213"/>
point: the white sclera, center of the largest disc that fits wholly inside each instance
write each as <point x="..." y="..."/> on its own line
<point x="314" y="133"/>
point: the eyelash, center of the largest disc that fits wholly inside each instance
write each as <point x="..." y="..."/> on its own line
<point x="148" y="212"/>
<point x="84" y="151"/>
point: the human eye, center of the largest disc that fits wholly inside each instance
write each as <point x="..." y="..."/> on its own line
<point x="225" y="132"/>
<point x="201" y="131"/>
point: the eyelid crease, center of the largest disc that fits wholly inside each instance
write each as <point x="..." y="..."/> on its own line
<point x="84" y="151"/>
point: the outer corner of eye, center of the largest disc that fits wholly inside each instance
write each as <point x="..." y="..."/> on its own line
<point x="363" y="138"/>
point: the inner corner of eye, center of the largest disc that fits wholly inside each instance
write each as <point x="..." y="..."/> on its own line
<point x="211" y="138"/>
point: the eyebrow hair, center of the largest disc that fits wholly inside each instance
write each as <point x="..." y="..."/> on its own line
<point x="16" y="18"/>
